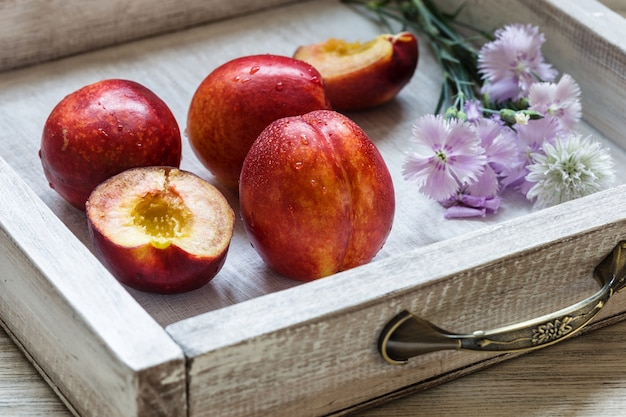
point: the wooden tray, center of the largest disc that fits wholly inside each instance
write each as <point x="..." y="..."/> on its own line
<point x="252" y="342"/>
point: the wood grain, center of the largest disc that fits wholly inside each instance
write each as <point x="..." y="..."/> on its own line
<point x="22" y="390"/>
<point x="331" y="361"/>
<point x="35" y="31"/>
<point x="116" y="361"/>
<point x="616" y="5"/>
<point x="582" y="377"/>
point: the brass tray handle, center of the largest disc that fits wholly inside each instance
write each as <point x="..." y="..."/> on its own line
<point x="407" y="335"/>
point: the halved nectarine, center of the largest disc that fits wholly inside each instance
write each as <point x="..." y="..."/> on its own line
<point x="160" y="229"/>
<point x="363" y="75"/>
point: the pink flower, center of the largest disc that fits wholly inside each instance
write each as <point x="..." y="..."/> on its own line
<point x="560" y="101"/>
<point x="533" y="135"/>
<point x="511" y="63"/>
<point x="447" y="155"/>
<point x="498" y="141"/>
<point x="530" y="138"/>
<point x="474" y="110"/>
<point x="465" y="205"/>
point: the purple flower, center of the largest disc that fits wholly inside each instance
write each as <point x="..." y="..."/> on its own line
<point x="473" y="110"/>
<point x="511" y="63"/>
<point x="560" y="101"/>
<point x="501" y="152"/>
<point x="446" y="156"/>
<point x="530" y="138"/>
<point x="465" y="205"/>
<point x="498" y="142"/>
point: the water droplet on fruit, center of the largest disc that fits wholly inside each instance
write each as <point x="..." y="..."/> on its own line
<point x="245" y="80"/>
<point x="304" y="140"/>
<point x="120" y="127"/>
<point x="298" y="165"/>
<point x="236" y="78"/>
<point x="314" y="183"/>
<point x="284" y="147"/>
<point x="185" y="132"/>
<point x="279" y="86"/>
<point x="254" y="69"/>
<point x="315" y="79"/>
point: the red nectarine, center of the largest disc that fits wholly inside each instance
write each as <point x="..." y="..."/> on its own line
<point x="363" y="75"/>
<point x="160" y="229"/>
<point x="103" y="129"/>
<point x="316" y="195"/>
<point x="237" y="100"/>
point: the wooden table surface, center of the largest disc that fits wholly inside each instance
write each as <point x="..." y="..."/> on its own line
<point x="585" y="376"/>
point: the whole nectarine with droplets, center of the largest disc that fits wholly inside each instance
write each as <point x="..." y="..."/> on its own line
<point x="103" y="129"/>
<point x="237" y="100"/>
<point x="316" y="196"/>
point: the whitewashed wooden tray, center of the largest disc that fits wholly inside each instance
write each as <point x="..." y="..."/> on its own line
<point x="252" y="342"/>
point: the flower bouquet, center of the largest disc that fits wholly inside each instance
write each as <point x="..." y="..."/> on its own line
<point x="505" y="118"/>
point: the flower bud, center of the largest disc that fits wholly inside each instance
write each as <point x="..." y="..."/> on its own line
<point x="508" y="116"/>
<point x="533" y="115"/>
<point x="451" y="113"/>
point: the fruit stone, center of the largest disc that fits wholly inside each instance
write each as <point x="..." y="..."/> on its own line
<point x="160" y="229"/>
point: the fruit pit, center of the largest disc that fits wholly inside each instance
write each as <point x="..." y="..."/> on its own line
<point x="163" y="216"/>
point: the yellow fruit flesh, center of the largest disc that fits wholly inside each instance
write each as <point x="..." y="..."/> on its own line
<point x="341" y="47"/>
<point x="162" y="216"/>
<point x="336" y="57"/>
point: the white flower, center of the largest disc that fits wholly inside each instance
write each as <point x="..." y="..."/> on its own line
<point x="570" y="168"/>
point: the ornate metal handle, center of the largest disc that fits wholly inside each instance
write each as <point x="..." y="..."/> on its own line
<point x="406" y="335"/>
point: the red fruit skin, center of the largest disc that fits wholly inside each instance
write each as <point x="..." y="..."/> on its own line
<point x="236" y="101"/>
<point x="373" y="84"/>
<point x="164" y="270"/>
<point x="316" y="196"/>
<point x="161" y="271"/>
<point x="103" y="129"/>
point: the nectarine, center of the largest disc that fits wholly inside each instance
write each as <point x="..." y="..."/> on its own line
<point x="237" y="100"/>
<point x="103" y="129"/>
<point x="359" y="75"/>
<point x="316" y="196"/>
<point x="160" y="229"/>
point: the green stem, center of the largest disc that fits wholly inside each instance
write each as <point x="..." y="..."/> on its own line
<point x="455" y="54"/>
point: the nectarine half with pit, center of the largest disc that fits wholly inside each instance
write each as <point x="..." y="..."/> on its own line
<point x="238" y="99"/>
<point x="103" y="129"/>
<point x="160" y="229"/>
<point x="359" y="75"/>
<point x="316" y="196"/>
